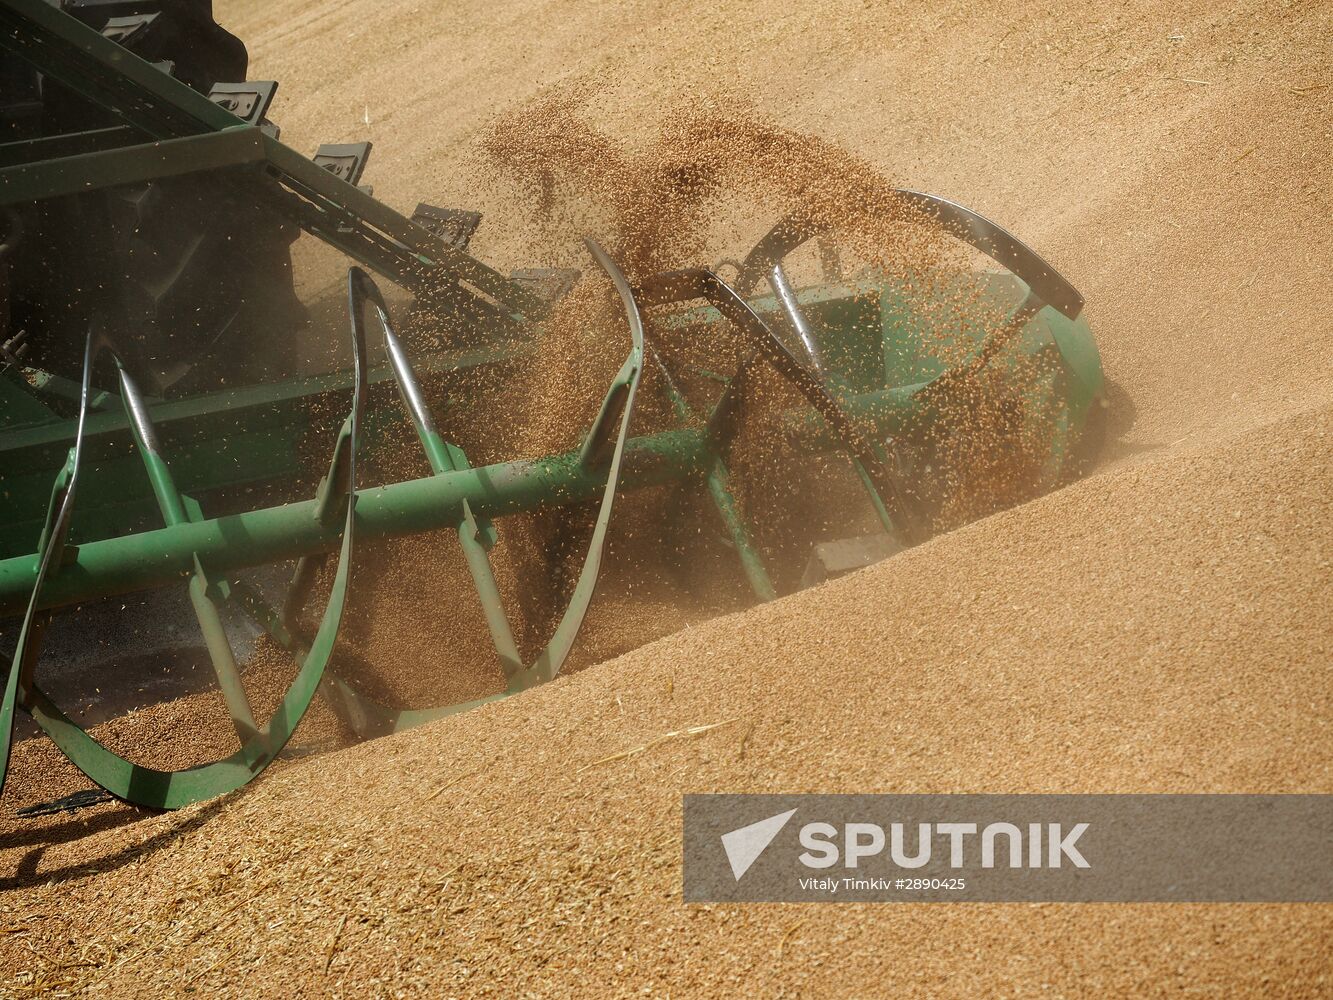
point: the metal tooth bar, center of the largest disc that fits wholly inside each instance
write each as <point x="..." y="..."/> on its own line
<point x="50" y="552"/>
<point x="548" y="283"/>
<point x="67" y="803"/>
<point x="550" y="660"/>
<point x="369" y="717"/>
<point x="426" y="249"/>
<point x="172" y="789"/>
<point x="106" y="73"/>
<point x="681" y="286"/>
<point x="597" y="445"/>
<point x="719" y="490"/>
<point x="206" y="612"/>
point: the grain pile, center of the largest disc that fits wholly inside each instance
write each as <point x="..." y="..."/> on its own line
<point x="1163" y="625"/>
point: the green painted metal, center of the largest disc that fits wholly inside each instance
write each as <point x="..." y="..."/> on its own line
<point x="718" y="479"/>
<point x="18" y="406"/>
<point x="56" y="147"/>
<point x="220" y="441"/>
<point x="259" y="746"/>
<point x="157" y="557"/>
<point x="475" y="535"/>
<point x="50" y="549"/>
<point x="166" y="109"/>
<point x="454" y="496"/>
<point x="369" y="718"/>
<point x="149" y="559"/>
<point x="172" y="506"/>
<point x="93" y="171"/>
<point x="879" y="383"/>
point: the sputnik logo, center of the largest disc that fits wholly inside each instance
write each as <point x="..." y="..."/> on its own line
<point x="744" y="845"/>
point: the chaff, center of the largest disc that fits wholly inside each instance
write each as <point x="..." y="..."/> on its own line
<point x="675" y="734"/>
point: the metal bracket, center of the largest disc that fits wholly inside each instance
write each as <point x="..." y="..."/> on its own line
<point x="547" y="283"/>
<point x="127" y="30"/>
<point x="248" y="101"/>
<point x="844" y="555"/>
<point x="345" y="160"/>
<point x="453" y="225"/>
<point x="12" y="350"/>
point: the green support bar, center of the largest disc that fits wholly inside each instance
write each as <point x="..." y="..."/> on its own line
<point x="165" y="555"/>
<point x="167" y="109"/>
<point x="130" y="165"/>
<point x="174" y="512"/>
<point x="155" y="558"/>
<point x="724" y="501"/>
<point x="52" y="147"/>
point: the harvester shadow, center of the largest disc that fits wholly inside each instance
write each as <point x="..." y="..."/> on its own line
<point x="26" y="873"/>
<point x="1121" y="412"/>
<point x="1111" y="426"/>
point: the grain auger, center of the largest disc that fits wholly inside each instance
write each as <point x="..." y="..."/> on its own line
<point x="153" y="384"/>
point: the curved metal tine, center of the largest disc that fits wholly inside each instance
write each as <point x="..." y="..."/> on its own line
<point x="372" y="718"/>
<point x="443" y="457"/>
<point x="786" y="296"/>
<point x="764" y="262"/>
<point x="548" y="663"/>
<point x="718" y="480"/>
<point x="159" y="789"/>
<point x="553" y="656"/>
<point x="331" y="490"/>
<point x="206" y="612"/>
<point x="996" y="242"/>
<point x="680" y="286"/>
<point x="334" y="490"/>
<point x="361" y="289"/>
<point x="1046" y="286"/>
<point x="785" y="236"/>
<point x="50" y="552"/>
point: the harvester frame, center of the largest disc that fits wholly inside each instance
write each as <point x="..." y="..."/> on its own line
<point x="197" y="445"/>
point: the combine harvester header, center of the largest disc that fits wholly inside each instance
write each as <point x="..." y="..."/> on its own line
<point x="149" y="386"/>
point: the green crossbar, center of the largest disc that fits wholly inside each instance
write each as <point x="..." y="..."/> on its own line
<point x="164" y="109"/>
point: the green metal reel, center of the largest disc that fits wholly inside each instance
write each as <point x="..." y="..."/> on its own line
<point x="852" y="353"/>
<point x="206" y="552"/>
